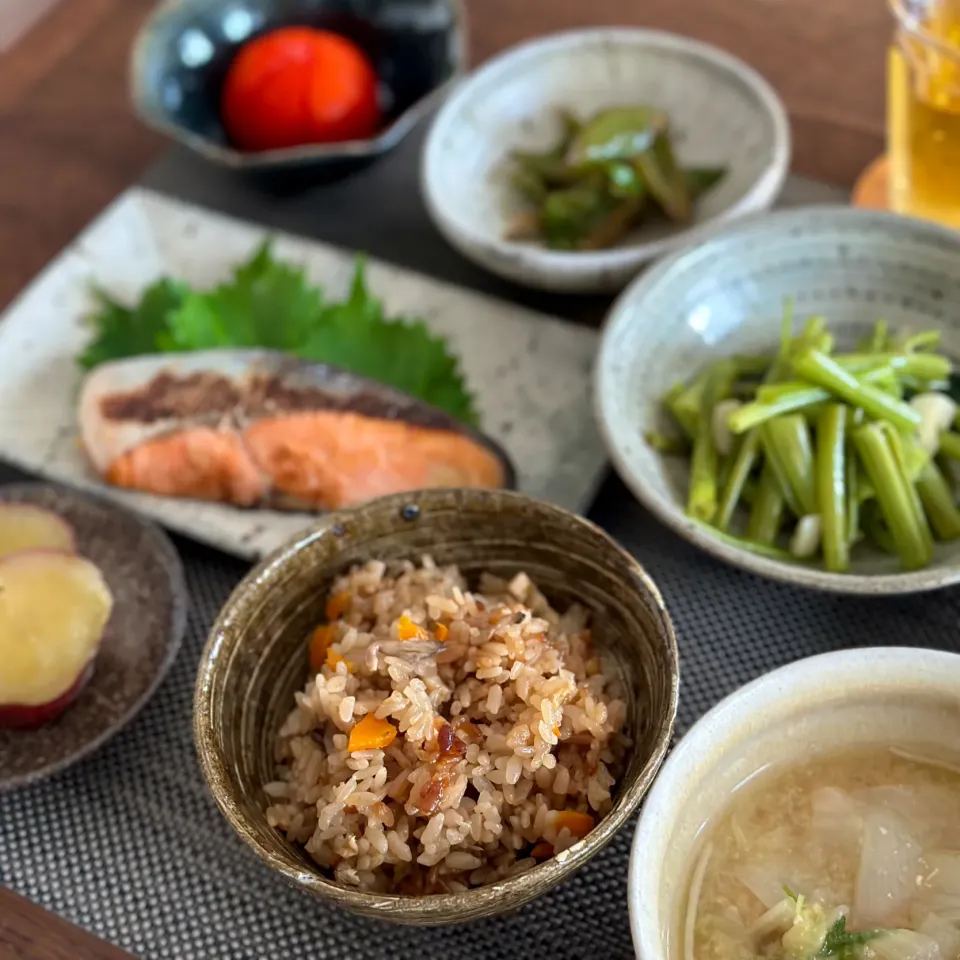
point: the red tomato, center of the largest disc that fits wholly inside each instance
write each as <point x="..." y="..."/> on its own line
<point x="299" y="85"/>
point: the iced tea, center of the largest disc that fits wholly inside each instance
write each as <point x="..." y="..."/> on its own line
<point x="923" y="123"/>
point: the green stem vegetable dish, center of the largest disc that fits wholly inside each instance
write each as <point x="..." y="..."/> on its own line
<point x="603" y="177"/>
<point x="824" y="449"/>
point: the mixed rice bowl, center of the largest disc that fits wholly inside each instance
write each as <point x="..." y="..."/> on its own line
<point x="446" y="739"/>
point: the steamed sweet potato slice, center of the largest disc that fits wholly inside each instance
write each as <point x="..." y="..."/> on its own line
<point x="26" y="527"/>
<point x="53" y="611"/>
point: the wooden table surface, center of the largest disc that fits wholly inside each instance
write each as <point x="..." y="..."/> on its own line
<point x="68" y="145"/>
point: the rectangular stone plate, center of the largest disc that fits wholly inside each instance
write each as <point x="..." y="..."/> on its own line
<point x="530" y="373"/>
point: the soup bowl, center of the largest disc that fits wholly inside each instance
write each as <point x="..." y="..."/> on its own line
<point x="825" y="704"/>
<point x="257" y="657"/>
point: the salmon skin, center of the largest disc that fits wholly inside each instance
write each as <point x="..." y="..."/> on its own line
<point x="258" y="428"/>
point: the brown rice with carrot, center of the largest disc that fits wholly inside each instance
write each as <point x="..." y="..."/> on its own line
<point x="445" y="739"/>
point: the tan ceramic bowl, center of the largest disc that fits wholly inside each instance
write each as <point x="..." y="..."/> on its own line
<point x="256" y="658"/>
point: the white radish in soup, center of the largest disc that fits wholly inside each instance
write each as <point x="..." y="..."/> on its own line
<point x="854" y="856"/>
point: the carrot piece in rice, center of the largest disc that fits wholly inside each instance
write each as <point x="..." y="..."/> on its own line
<point x="320" y="641"/>
<point x="408" y="630"/>
<point x="333" y="658"/>
<point x="338" y="605"/>
<point x="579" y="824"/>
<point x="371" y="733"/>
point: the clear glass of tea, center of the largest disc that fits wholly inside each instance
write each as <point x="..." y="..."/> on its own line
<point x="923" y="110"/>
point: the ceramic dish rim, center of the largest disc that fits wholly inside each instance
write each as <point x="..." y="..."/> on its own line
<point x="799" y="683"/>
<point x="179" y="603"/>
<point x="441" y="908"/>
<point x="669" y="511"/>
<point x="236" y="159"/>
<point x="757" y="198"/>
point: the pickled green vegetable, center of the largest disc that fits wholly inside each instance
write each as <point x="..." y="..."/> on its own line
<point x="528" y="181"/>
<point x="586" y="216"/>
<point x="621" y="133"/>
<point x="604" y="176"/>
<point x="699" y="180"/>
<point x="624" y="181"/>
<point x="665" y="180"/>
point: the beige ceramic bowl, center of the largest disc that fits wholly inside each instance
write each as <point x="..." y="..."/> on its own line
<point x="722" y="113"/>
<point x="826" y="703"/>
<point x="726" y="296"/>
<point x="256" y="658"/>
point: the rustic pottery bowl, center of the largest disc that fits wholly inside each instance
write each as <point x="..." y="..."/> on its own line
<point x="823" y="704"/>
<point x="256" y="658"/>
<point x="722" y="113"/>
<point x="182" y="53"/>
<point x="727" y="296"/>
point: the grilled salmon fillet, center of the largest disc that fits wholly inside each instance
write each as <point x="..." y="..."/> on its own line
<point x="260" y="428"/>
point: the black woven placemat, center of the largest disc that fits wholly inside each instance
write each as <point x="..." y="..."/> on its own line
<point x="129" y="845"/>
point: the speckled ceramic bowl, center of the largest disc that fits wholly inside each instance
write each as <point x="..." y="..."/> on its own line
<point x="848" y="700"/>
<point x="182" y="53"/>
<point x="727" y="296"/>
<point x="722" y="113"/>
<point x="256" y="658"/>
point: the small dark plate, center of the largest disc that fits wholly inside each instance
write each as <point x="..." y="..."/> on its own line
<point x="143" y="636"/>
<point x="183" y="51"/>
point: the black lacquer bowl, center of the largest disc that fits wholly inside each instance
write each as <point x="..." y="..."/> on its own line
<point x="182" y="53"/>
